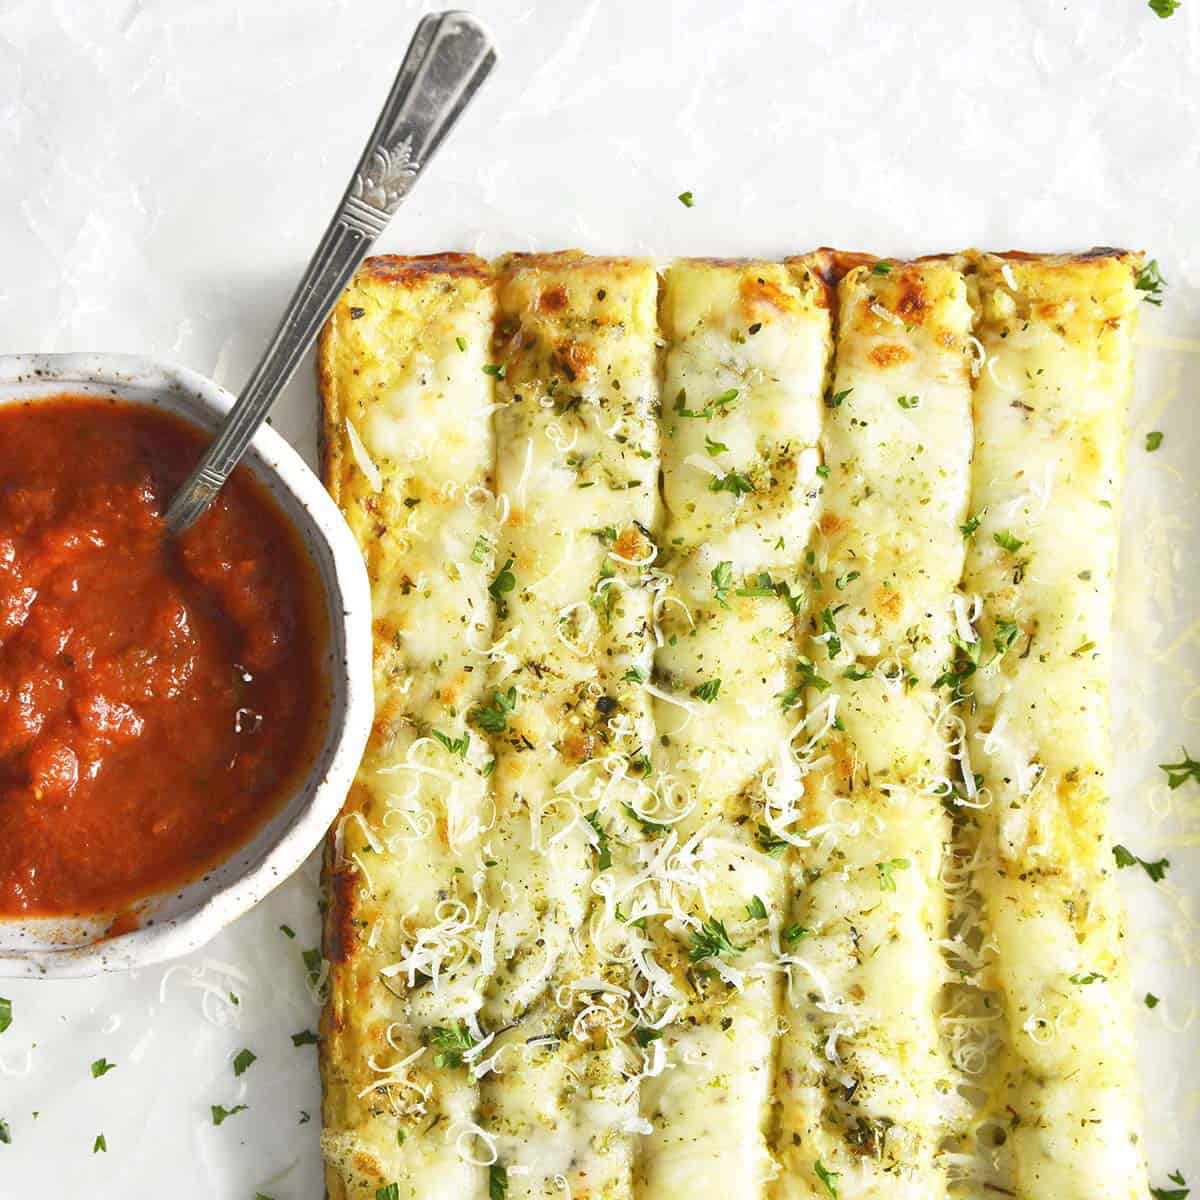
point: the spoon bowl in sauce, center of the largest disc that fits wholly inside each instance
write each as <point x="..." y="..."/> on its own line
<point x="180" y="718"/>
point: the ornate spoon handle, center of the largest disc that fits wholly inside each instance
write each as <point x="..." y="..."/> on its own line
<point x="449" y="57"/>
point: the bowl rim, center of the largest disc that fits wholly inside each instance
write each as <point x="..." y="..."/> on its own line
<point x="127" y="375"/>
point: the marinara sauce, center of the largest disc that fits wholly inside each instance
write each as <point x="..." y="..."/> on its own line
<point x="157" y="695"/>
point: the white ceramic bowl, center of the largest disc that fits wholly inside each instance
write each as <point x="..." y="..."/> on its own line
<point x="177" y="921"/>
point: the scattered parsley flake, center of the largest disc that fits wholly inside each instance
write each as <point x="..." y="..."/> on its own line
<point x="100" y="1146"/>
<point x="461" y="343"/>
<point x="497" y="1182"/>
<point x="1149" y="278"/>
<point x="1126" y="858"/>
<point x="305" y="1037"/>
<point x="481" y="549"/>
<point x="756" y="910"/>
<point x="243" y="1061"/>
<point x="493" y="369"/>
<point x="714" y="448"/>
<point x="688" y="201"/>
<point x="771" y="843"/>
<point x="717" y="406"/>
<point x="644" y="1035"/>
<point x="602" y="848"/>
<point x="722" y="578"/>
<point x="837" y="399"/>
<point x="829" y="1178"/>
<point x="1083" y="978"/>
<point x="1154" y="439"/>
<point x="389" y="1191"/>
<point x="711" y="941"/>
<point x="1151" y="1000"/>
<point x="101" y="1067"/>
<point x="220" y="1114"/>
<point x="882" y="267"/>
<point x="1180" y="1192"/>
<point x="634" y="675"/>
<point x="1179" y="773"/>
<point x="887" y="882"/>
<point x="971" y="524"/>
<point x="312" y="964"/>
<point x="5" y="1014"/>
<point x="493" y="718"/>
<point x="287" y="931"/>
<point x="908" y="401"/>
<point x="5" y="1133"/>
<point x="707" y="691"/>
<point x="504" y="583"/>
<point x="793" y="933"/>
<point x="1007" y="541"/>
<point x="458" y="746"/>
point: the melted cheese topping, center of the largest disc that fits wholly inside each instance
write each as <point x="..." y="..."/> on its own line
<point x="746" y="358"/>
<point x="863" y="1072"/>
<point x="578" y="461"/>
<point x="408" y="454"/>
<point x="723" y="846"/>
<point x="1050" y="402"/>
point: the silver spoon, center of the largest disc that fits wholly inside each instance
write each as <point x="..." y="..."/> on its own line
<point x="449" y="57"/>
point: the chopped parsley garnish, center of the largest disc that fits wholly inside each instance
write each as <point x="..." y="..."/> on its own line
<point x="688" y="201"/>
<point x="634" y="675"/>
<point x="809" y="676"/>
<point x="1180" y="1192"/>
<point x="714" y="448"/>
<point x="1007" y="632"/>
<point x="243" y="1061"/>
<point x="305" y="1037"/>
<point x="1125" y="858"/>
<point x="849" y="577"/>
<point x="823" y="471"/>
<point x="1007" y="541"/>
<point x="830" y="1178"/>
<point x="504" y="583"/>
<point x="493" y="718"/>
<point x="389" y="1191"/>
<point x="1086" y="977"/>
<point x="287" y="931"/>
<point x="734" y="483"/>
<point x="771" y="843"/>
<point x="711" y="941"/>
<point x="856" y="673"/>
<point x="493" y="369"/>
<point x="882" y="267"/>
<point x="461" y="343"/>
<point x="648" y="826"/>
<point x="312" y="965"/>
<point x="837" y="399"/>
<point x="5" y="1014"/>
<point x="220" y="1114"/>
<point x="644" y="1036"/>
<point x="887" y="882"/>
<point x="722" y="578"/>
<point x="717" y="406"/>
<point x="5" y="1133"/>
<point x="1151" y="1000"/>
<point x="833" y="643"/>
<point x="908" y="401"/>
<point x="756" y="910"/>
<point x="1179" y="773"/>
<point x="707" y="691"/>
<point x="497" y="1182"/>
<point x="971" y="524"/>
<point x="793" y="933"/>
<point x="451" y="1041"/>
<point x="1154" y="439"/>
<point x="101" y="1067"/>
<point x="481" y="549"/>
<point x="790" y="697"/>
<point x="458" y="746"/>
<point x="100" y="1146"/>
<point x="1149" y="278"/>
<point x="602" y="847"/>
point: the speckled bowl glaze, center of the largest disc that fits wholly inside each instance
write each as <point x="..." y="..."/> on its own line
<point x="175" y="922"/>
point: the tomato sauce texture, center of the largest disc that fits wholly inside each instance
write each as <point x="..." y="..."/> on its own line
<point x="157" y="696"/>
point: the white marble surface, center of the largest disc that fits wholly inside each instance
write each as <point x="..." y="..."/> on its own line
<point x="168" y="165"/>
